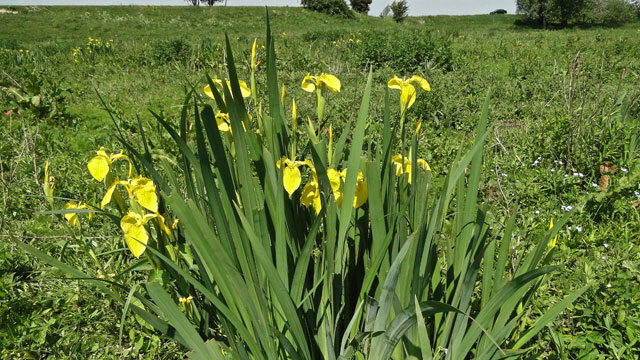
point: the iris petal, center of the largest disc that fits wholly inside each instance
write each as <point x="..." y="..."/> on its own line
<point x="208" y="92"/>
<point x="72" y="218"/>
<point x="362" y="192"/>
<point x="291" y="179"/>
<point x="308" y="83"/>
<point x="244" y="89"/>
<point x="309" y="193"/>
<point x="98" y="167"/>
<point x="424" y="164"/>
<point x="135" y="235"/>
<point x="424" y="84"/>
<point x="144" y="191"/>
<point x="395" y="83"/>
<point x="334" y="178"/>
<point x="408" y="95"/>
<point x="330" y="82"/>
<point x="107" y="196"/>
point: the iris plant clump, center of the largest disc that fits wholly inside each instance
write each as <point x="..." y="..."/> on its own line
<point x="282" y="247"/>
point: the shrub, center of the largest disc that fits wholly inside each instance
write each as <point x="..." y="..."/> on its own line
<point x="167" y="51"/>
<point x="400" y="10"/>
<point x="39" y="95"/>
<point x="404" y="51"/>
<point x="329" y="7"/>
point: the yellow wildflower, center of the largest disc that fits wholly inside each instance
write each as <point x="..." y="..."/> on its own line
<point x="141" y="189"/>
<point x="362" y="190"/>
<point x="406" y="167"/>
<point x="244" y="89"/>
<point x="72" y="217"/>
<point x="323" y="81"/>
<point x="407" y="91"/>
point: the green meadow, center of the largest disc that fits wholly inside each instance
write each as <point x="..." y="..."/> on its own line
<point x="562" y="147"/>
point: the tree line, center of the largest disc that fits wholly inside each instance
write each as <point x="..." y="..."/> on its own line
<point x="564" y="13"/>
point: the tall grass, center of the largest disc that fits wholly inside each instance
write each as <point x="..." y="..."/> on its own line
<point x="414" y="273"/>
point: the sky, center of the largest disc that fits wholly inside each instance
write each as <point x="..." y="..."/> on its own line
<point x="416" y="7"/>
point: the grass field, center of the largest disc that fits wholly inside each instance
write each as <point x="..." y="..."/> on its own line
<point x="564" y="110"/>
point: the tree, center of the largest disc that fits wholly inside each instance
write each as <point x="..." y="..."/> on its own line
<point x="564" y="12"/>
<point x="636" y="6"/>
<point x="361" y="6"/>
<point x="534" y="9"/>
<point x="330" y="7"/>
<point x="400" y="10"/>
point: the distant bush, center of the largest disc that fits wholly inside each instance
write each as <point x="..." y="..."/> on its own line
<point x="361" y="6"/>
<point x="400" y="10"/>
<point x="406" y="52"/>
<point x="166" y="51"/>
<point x="329" y="7"/>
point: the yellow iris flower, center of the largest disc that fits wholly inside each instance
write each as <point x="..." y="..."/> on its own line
<point x="224" y="123"/>
<point x="135" y="233"/>
<point x="406" y="167"/>
<point x="362" y="190"/>
<point x="407" y="91"/>
<point x="244" y="89"/>
<point x="141" y="189"/>
<point x="72" y="218"/>
<point x="311" y="195"/>
<point x="311" y="192"/>
<point x="323" y="81"/>
<point x="100" y="164"/>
